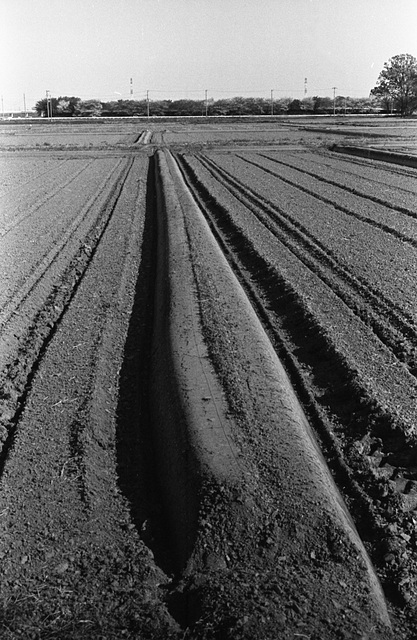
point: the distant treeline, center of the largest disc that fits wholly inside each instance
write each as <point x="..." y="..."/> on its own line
<point x="70" y="106"/>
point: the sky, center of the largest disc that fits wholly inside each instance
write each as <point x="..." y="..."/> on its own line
<point x="181" y="48"/>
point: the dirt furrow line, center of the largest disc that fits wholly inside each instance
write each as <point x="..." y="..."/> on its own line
<point x="391" y="169"/>
<point x="70" y="233"/>
<point x="366" y="192"/>
<point x="265" y="476"/>
<point x="236" y="248"/>
<point x="27" y="333"/>
<point x="395" y="328"/>
<point x="364" y="166"/>
<point x="85" y="572"/>
<point x="15" y="220"/>
<point x="250" y="250"/>
<point x="364" y="441"/>
<point x="377" y="154"/>
<point x="353" y="239"/>
<point x="378" y="220"/>
<point x="31" y="292"/>
<point x="398" y="200"/>
<point x="384" y="178"/>
<point x="39" y="173"/>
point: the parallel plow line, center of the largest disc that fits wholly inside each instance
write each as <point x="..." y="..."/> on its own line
<point x="385" y="318"/>
<point x="42" y="267"/>
<point x="36" y="176"/>
<point x="273" y="435"/>
<point x="374" y="223"/>
<point x="336" y="164"/>
<point x="336" y="394"/>
<point x="42" y="201"/>
<point x="21" y="360"/>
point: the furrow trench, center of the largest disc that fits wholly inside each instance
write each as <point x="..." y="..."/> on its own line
<point x="194" y="455"/>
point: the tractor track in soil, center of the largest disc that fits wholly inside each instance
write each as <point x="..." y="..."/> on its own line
<point x="315" y="364"/>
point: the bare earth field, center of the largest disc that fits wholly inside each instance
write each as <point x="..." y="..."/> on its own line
<point x="208" y="363"/>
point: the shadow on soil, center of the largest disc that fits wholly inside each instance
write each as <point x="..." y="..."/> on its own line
<point x="136" y="459"/>
<point x="152" y="486"/>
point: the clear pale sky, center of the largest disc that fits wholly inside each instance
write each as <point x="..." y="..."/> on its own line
<point x="179" y="48"/>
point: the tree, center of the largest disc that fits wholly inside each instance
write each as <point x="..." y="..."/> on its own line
<point x="397" y="83"/>
<point x="88" y="108"/>
<point x="323" y="105"/>
<point x="68" y="106"/>
<point x="308" y="105"/>
<point x="185" y="107"/>
<point x="41" y="107"/>
<point x="281" y="105"/>
<point x="295" y="106"/>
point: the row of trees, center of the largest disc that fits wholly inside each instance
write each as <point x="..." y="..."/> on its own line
<point x="395" y="91"/>
<point x="70" y="106"/>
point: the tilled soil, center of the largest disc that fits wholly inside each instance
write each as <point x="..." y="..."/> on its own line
<point x="159" y="478"/>
<point x="354" y="362"/>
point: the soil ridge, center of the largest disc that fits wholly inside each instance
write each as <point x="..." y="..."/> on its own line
<point x="305" y="482"/>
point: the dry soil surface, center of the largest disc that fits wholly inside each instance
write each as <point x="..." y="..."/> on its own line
<point x="163" y="475"/>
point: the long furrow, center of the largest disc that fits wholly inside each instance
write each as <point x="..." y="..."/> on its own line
<point x="331" y="215"/>
<point x="33" y="317"/>
<point x="254" y="242"/>
<point x="254" y="443"/>
<point x="58" y="465"/>
<point x="383" y="178"/>
<point x="391" y="324"/>
<point x="14" y="187"/>
<point x="382" y="219"/>
<point x="351" y="386"/>
<point x="394" y="170"/>
<point x="357" y="165"/>
<point x="71" y="231"/>
<point x="17" y="210"/>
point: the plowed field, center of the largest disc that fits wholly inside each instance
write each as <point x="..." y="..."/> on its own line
<point x="208" y="363"/>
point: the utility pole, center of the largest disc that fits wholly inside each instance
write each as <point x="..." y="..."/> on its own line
<point x="334" y="100"/>
<point x="272" y="102"/>
<point x="305" y="86"/>
<point x="24" y="105"/>
<point x="206" y="101"/>
<point x="48" y="104"/>
<point x="2" y="106"/>
<point x="147" y="102"/>
<point x="131" y="88"/>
